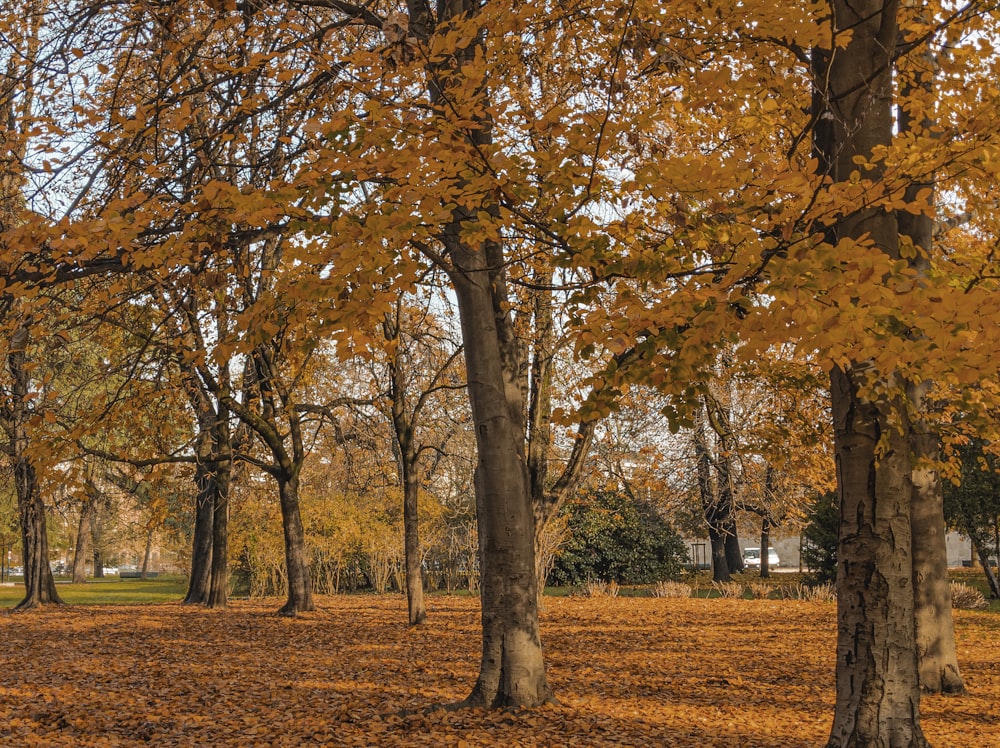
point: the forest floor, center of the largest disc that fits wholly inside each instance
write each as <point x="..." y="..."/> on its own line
<point x="626" y="671"/>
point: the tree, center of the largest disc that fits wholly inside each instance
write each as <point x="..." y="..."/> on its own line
<point x="613" y="537"/>
<point x="819" y="539"/>
<point x="877" y="682"/>
<point x="419" y="368"/>
<point x="17" y="100"/>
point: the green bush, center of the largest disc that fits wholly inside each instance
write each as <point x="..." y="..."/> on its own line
<point x="613" y="538"/>
<point x="819" y="546"/>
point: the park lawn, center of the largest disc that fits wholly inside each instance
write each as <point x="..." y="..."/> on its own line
<point x="626" y="671"/>
<point x="107" y="591"/>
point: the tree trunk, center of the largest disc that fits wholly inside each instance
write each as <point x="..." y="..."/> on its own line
<point x="299" y="587"/>
<point x="878" y="693"/>
<point x="709" y="502"/>
<point x="512" y="669"/>
<point x="218" y="583"/>
<point x="39" y="586"/>
<point x="935" y="628"/>
<point x="720" y="565"/>
<point x="147" y="554"/>
<point x="980" y="552"/>
<point x="201" y="547"/>
<point x="765" y="542"/>
<point x="734" y="556"/>
<point x="411" y="546"/>
<point x="83" y="539"/>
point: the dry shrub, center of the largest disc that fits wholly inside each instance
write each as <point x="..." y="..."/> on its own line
<point x="672" y="589"/>
<point x="966" y="597"/>
<point x="759" y="590"/>
<point x="791" y="591"/>
<point x="729" y="589"/>
<point x="823" y="593"/>
<point x="597" y="588"/>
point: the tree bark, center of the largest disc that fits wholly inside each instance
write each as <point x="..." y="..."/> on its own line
<point x="512" y="669"/>
<point x="710" y="504"/>
<point x="407" y="457"/>
<point x="147" y="555"/>
<point x="935" y="628"/>
<point x="878" y="694"/>
<point x="416" y="610"/>
<point x="299" y="586"/>
<point x="83" y="538"/>
<point x="765" y="542"/>
<point x="39" y="586"/>
<point x="218" y="583"/>
<point x="201" y="547"/>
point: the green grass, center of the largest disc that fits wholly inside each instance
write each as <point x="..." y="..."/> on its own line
<point x="110" y="591"/>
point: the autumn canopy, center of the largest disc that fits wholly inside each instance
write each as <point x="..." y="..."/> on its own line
<point x="314" y="248"/>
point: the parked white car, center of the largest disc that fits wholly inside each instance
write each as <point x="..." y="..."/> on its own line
<point x="751" y="558"/>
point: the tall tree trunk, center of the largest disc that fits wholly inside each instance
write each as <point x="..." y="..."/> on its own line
<point x="512" y="669"/>
<point x="39" y="586"/>
<point x="218" y="586"/>
<point x="765" y="542"/>
<point x="734" y="556"/>
<point x="201" y="547"/>
<point x="407" y="456"/>
<point x="709" y="503"/>
<point x="147" y="554"/>
<point x="299" y="586"/>
<point x="83" y="538"/>
<point x="417" y="611"/>
<point x="878" y="694"/>
<point x="935" y="628"/>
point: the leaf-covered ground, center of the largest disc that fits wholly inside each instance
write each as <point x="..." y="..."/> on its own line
<point x="627" y="671"/>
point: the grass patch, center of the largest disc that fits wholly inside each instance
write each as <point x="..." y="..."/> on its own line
<point x="108" y="591"/>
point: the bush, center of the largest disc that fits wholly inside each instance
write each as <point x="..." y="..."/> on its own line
<point x="595" y="588"/>
<point x="614" y="538"/>
<point x="819" y="546"/>
<point x="759" y="590"/>
<point x="729" y="589"/>
<point x="965" y="597"/>
<point x="672" y="589"/>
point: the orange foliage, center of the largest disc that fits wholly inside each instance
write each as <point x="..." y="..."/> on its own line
<point x="629" y="671"/>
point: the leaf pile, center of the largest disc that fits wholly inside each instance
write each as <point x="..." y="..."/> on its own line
<point x="626" y="671"/>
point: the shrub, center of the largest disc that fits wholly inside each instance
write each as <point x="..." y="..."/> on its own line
<point x="759" y="590"/>
<point x="823" y="593"/>
<point x="729" y="589"/>
<point x="672" y="589"/>
<point x="597" y="588"/>
<point x="966" y="597"/>
<point x="616" y="538"/>
<point x="819" y="546"/>
<point x="826" y="592"/>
